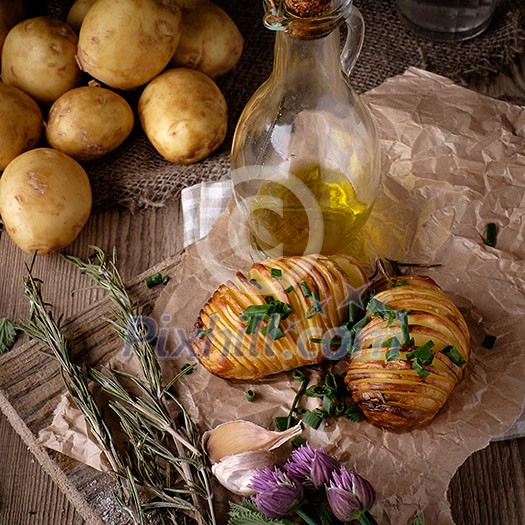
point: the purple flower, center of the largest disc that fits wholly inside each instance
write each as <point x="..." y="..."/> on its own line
<point x="350" y="496"/>
<point x="276" y="493"/>
<point x="311" y="466"/>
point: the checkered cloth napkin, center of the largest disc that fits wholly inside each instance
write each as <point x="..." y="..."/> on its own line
<point x="201" y="206"/>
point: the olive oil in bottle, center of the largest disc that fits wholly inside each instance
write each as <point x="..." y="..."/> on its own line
<point x="314" y="209"/>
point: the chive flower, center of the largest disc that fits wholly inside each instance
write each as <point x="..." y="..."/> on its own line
<point x="312" y="467"/>
<point x="275" y="493"/>
<point x="350" y="497"/>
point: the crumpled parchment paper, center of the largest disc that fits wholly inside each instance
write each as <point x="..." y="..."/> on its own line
<point x="452" y="161"/>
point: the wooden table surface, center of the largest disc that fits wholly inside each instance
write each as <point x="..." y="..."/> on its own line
<point x="489" y="489"/>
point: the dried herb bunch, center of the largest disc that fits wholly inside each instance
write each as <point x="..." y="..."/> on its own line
<point x="162" y="467"/>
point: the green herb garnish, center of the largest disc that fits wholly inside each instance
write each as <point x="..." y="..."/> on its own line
<point x="272" y="328"/>
<point x="276" y="273"/>
<point x="8" y="335"/>
<point x="304" y="288"/>
<point x="392" y="354"/>
<point x="491" y="234"/>
<point x="378" y="309"/>
<point x="391" y="341"/>
<point x="422" y="354"/>
<point x="420" y="370"/>
<point x="330" y="342"/>
<point x="165" y="280"/>
<point x="250" y="395"/>
<point x="204" y="333"/>
<point x="289" y="289"/>
<point x="313" y="418"/>
<point x="153" y="280"/>
<point x="454" y="355"/>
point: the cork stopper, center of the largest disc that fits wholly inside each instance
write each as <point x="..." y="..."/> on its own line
<point x="308" y="8"/>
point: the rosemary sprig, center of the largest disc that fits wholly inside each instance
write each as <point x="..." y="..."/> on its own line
<point x="162" y="458"/>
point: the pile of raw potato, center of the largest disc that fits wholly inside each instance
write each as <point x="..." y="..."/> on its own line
<point x="60" y="89"/>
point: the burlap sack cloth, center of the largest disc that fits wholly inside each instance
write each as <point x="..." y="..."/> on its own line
<point x="136" y="176"/>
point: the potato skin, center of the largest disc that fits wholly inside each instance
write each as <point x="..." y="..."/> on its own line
<point x="21" y="123"/>
<point x="39" y="58"/>
<point x="45" y="200"/>
<point x="210" y="41"/>
<point x="88" y="122"/>
<point x="184" y="115"/>
<point x="125" y="44"/>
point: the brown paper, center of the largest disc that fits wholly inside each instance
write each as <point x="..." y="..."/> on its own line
<point x="452" y="161"/>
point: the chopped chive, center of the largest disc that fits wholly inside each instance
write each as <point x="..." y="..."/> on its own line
<point x="289" y="289"/>
<point x="276" y="273"/>
<point x="489" y="341"/>
<point x="272" y="328"/>
<point x="165" y="280"/>
<point x="398" y="282"/>
<point x="360" y="324"/>
<point x="354" y="413"/>
<point x="256" y="309"/>
<point x="402" y="316"/>
<point x="454" y="355"/>
<point x="297" y="442"/>
<point x="491" y="234"/>
<point x="304" y="288"/>
<point x="284" y="422"/>
<point x="313" y="418"/>
<point x="422" y="354"/>
<point x="250" y="395"/>
<point x="353" y="312"/>
<point x="311" y="312"/>
<point x="379" y="309"/>
<point x="315" y="391"/>
<point x="319" y="341"/>
<point x="255" y="283"/>
<point x="204" y="333"/>
<point x="298" y="375"/>
<point x="392" y="354"/>
<point x="253" y="321"/>
<point x="391" y="341"/>
<point x="153" y="280"/>
<point x="419" y="369"/>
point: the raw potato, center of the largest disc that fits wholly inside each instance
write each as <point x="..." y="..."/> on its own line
<point x="210" y="41"/>
<point x="184" y="115"/>
<point x="45" y="200"/>
<point x="20" y="123"/>
<point x="39" y="58"/>
<point x="78" y="12"/>
<point x="127" y="43"/>
<point x="88" y="122"/>
<point x="11" y="12"/>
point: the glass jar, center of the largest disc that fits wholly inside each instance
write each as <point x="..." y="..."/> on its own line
<point x="446" y="20"/>
<point x="305" y="154"/>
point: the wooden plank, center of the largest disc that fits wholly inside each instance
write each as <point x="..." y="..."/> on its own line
<point x="31" y="387"/>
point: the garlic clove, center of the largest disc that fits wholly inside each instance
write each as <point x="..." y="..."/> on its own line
<point x="238" y="436"/>
<point x="235" y="472"/>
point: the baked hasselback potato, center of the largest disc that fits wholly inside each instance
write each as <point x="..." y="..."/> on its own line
<point x="409" y="356"/>
<point x="273" y="319"/>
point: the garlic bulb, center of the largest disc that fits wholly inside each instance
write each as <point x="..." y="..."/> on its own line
<point x="235" y="437"/>
<point x="237" y="448"/>
<point x="235" y="472"/>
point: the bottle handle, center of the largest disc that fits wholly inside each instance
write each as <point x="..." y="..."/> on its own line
<point x="355" y="37"/>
